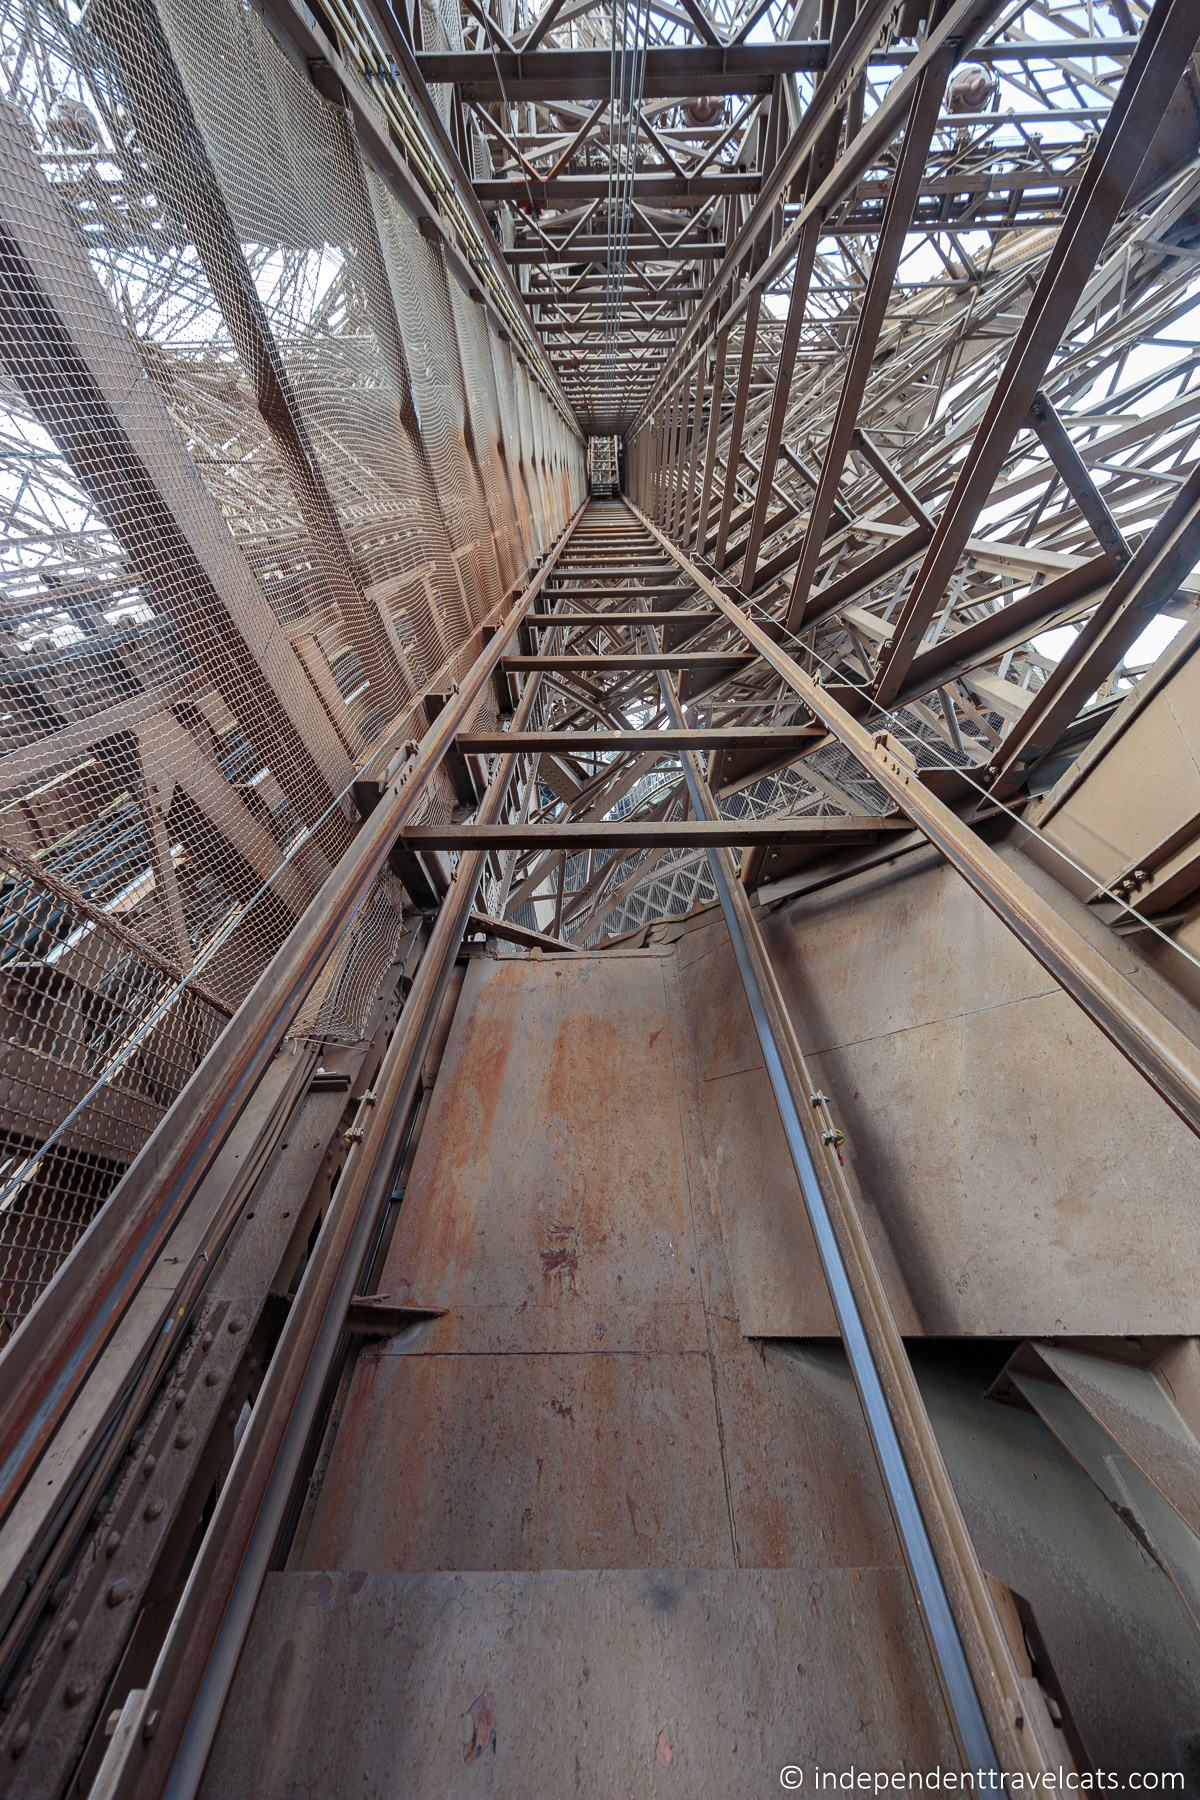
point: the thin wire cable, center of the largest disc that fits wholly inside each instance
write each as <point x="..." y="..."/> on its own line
<point x="626" y="83"/>
<point x="896" y="723"/>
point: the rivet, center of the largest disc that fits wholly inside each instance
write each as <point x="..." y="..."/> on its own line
<point x="153" y="1509"/>
<point x="184" y="1436"/>
<point x="206" y="1341"/>
<point x="112" y="1543"/>
<point x="70" y="1633"/>
<point x="148" y="1467"/>
<point x="20" y="1738"/>
<point x="236" y="1324"/>
<point x="211" y="1377"/>
<point x="120" y="1590"/>
<point x="74" y="1692"/>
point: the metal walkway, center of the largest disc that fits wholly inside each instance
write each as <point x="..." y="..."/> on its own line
<point x="439" y="1458"/>
<point x="600" y="947"/>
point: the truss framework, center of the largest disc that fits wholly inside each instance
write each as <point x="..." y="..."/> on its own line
<point x="314" y="663"/>
<point x="923" y="394"/>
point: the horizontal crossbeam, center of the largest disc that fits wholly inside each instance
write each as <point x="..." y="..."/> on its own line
<point x="652" y="834"/>
<point x="682" y="659"/>
<point x="671" y="70"/>
<point x="714" y="737"/>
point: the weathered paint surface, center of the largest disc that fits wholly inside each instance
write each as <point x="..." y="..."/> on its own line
<point x="1007" y="1158"/>
<point x="586" y="1401"/>
<point x="549" y="1194"/>
<point x="523" y="1462"/>
<point x="578" y="1535"/>
<point x="605" y="1684"/>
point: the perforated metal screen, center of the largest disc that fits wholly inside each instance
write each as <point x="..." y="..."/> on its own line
<point x="265" y="467"/>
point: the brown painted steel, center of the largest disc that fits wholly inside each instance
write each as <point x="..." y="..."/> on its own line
<point x="1165" y="1055"/>
<point x="638" y="834"/>
<point x="44" y="1367"/>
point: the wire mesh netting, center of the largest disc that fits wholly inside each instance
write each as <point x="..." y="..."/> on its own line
<point x="265" y="468"/>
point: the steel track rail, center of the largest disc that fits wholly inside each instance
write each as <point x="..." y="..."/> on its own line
<point x="1162" y="1053"/>
<point x="44" y="1368"/>
<point x="168" y="1728"/>
<point x="869" y="1332"/>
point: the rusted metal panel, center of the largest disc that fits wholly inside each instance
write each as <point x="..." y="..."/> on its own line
<point x="520" y="1462"/>
<point x="548" y="1204"/>
<point x="690" y="1682"/>
<point x="994" y="1144"/>
<point x="561" y="1411"/>
<point x="804" y="1489"/>
<point x="1134" y="1409"/>
<point x="777" y="1281"/>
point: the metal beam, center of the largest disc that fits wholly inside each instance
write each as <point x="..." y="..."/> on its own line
<point x="645" y="185"/>
<point x="711" y="737"/>
<point x="671" y="71"/>
<point x="1159" y="61"/>
<point x="44" y="1367"/>
<point x="598" y="250"/>
<point x="640" y="834"/>
<point x="1166" y="1056"/>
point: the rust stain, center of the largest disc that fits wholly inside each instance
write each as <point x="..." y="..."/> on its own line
<point x="664" y="1756"/>
<point x="586" y="1049"/>
<point x="433" y="1242"/>
<point x="486" y="1068"/>
<point x="560" y="1261"/>
<point x="482" y="1714"/>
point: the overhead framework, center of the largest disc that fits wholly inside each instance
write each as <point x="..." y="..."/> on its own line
<point x="496" y="495"/>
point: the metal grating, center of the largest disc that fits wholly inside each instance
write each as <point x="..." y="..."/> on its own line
<point x="265" y="468"/>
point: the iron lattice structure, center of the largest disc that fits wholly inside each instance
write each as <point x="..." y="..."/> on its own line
<point x="892" y="309"/>
<point x="267" y="467"/>
<point x="904" y="356"/>
<point x="327" y="338"/>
